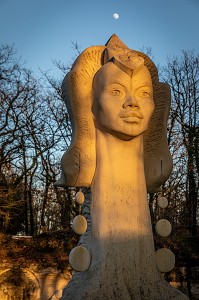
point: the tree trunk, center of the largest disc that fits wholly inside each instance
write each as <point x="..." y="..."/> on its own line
<point x="192" y="187"/>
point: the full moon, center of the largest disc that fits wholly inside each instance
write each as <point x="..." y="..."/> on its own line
<point x="116" y="16"/>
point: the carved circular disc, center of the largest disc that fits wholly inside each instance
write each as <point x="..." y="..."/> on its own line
<point x="79" y="198"/>
<point x="163" y="228"/>
<point x="162" y="202"/>
<point x="165" y="260"/>
<point x="80" y="258"/>
<point x="79" y="224"/>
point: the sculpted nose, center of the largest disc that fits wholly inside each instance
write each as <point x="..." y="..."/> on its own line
<point x="130" y="101"/>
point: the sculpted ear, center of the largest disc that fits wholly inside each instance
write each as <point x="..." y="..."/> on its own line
<point x="157" y="157"/>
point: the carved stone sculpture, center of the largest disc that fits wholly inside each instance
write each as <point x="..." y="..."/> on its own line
<point x="118" y="110"/>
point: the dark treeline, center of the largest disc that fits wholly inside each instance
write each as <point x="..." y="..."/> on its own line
<point x="35" y="131"/>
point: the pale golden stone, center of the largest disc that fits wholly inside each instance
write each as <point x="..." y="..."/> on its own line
<point x="80" y="258"/>
<point x="165" y="260"/>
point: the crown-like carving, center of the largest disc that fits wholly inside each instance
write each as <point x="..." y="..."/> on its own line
<point x="126" y="59"/>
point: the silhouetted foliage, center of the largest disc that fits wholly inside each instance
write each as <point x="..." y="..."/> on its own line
<point x="34" y="132"/>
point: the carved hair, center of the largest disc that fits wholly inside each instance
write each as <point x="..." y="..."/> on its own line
<point x="79" y="162"/>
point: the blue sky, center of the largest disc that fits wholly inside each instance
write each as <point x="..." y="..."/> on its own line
<point x="42" y="30"/>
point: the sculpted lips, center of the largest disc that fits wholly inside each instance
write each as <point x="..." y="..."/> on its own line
<point x="131" y="115"/>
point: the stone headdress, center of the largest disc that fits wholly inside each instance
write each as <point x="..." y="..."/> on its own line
<point x="79" y="162"/>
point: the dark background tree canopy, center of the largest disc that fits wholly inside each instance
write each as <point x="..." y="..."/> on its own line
<point x="35" y="131"/>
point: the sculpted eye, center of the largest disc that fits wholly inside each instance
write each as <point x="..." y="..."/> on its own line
<point x="116" y="92"/>
<point x="144" y="93"/>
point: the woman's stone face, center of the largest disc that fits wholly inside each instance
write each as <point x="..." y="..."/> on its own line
<point x="123" y="105"/>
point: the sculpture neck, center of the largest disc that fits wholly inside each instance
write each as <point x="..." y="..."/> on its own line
<point x="119" y="194"/>
<point x="120" y="162"/>
<point x="119" y="211"/>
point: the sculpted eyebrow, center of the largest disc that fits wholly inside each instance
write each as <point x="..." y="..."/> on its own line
<point x="145" y="84"/>
<point x="118" y="82"/>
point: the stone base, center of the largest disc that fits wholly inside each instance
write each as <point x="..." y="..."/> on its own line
<point x="85" y="286"/>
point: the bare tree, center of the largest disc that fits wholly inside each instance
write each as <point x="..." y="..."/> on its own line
<point x="182" y="73"/>
<point x="34" y="132"/>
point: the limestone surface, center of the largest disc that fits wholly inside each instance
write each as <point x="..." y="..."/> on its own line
<point x="118" y="110"/>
